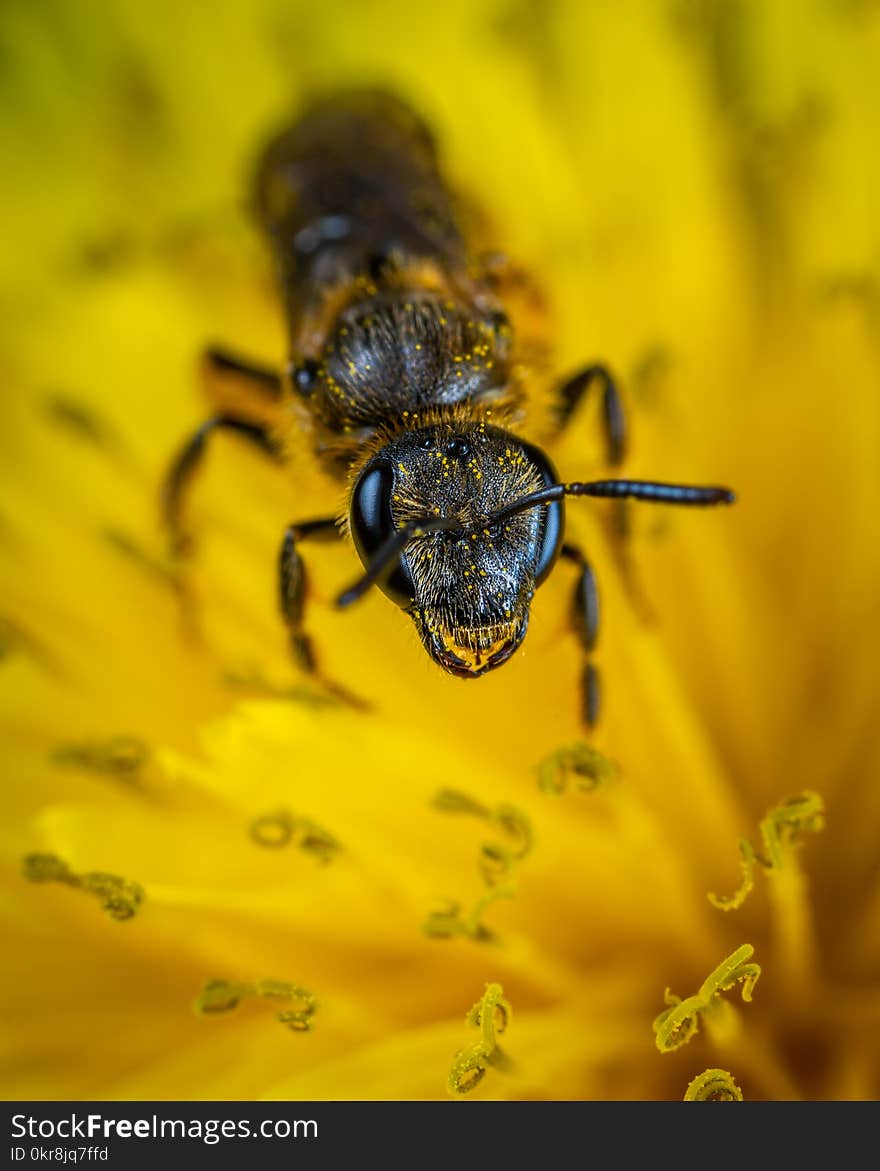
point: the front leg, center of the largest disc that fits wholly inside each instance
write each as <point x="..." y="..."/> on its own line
<point x="232" y="379"/>
<point x="585" y="624"/>
<point x="615" y="431"/>
<point x="189" y="460"/>
<point x="575" y="389"/>
<point x="293" y="581"/>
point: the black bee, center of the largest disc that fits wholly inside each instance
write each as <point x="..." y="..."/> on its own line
<point x="406" y="362"/>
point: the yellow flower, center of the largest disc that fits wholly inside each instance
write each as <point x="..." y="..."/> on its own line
<point x="693" y="185"/>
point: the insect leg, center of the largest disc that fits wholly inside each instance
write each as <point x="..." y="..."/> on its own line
<point x="569" y="397"/>
<point x="292" y="582"/>
<point x="261" y="380"/>
<point x="186" y="464"/>
<point x="585" y="623"/>
<point x="614" y="426"/>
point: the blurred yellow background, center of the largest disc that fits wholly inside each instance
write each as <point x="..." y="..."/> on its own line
<point x="694" y="186"/>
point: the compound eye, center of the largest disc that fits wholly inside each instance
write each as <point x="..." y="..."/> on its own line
<point x="550" y="536"/>
<point x="372" y="525"/>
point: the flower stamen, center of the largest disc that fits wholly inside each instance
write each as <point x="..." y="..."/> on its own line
<point x="278" y="829"/>
<point x="123" y="756"/>
<point x="713" y="1085"/>
<point x="680" y="1021"/>
<point x="580" y="765"/>
<point x="491" y="1015"/>
<point x="496" y="860"/>
<point x="781" y="830"/>
<point x="449" y="922"/>
<point x="221" y="996"/>
<point x="119" y="897"/>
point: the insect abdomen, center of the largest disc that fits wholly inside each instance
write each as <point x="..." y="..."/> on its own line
<point x="354" y="180"/>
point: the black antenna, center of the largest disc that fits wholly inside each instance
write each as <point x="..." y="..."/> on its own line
<point x="389" y="551"/>
<point x="652" y="490"/>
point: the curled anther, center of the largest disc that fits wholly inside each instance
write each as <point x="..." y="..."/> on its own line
<point x="788" y="821"/>
<point x="120" y="898"/>
<point x="278" y="829"/>
<point x="579" y="765"/>
<point x="221" y="996"/>
<point x="497" y="860"/>
<point x="455" y="801"/>
<point x="508" y="818"/>
<point x="781" y="831"/>
<point x="317" y="841"/>
<point x="491" y="1015"/>
<point x="514" y="823"/>
<point x="451" y="921"/>
<point x="676" y="1025"/>
<point x="468" y="1070"/>
<point x="48" y="868"/>
<point x="496" y="863"/>
<point x="124" y="756"/>
<point x="446" y="922"/>
<point x="298" y="1018"/>
<point x="713" y="1085"/>
<point x="273" y="830"/>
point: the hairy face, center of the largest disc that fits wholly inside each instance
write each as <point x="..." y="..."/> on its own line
<point x="468" y="588"/>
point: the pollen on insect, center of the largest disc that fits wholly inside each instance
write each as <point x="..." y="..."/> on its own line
<point x="426" y="307"/>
